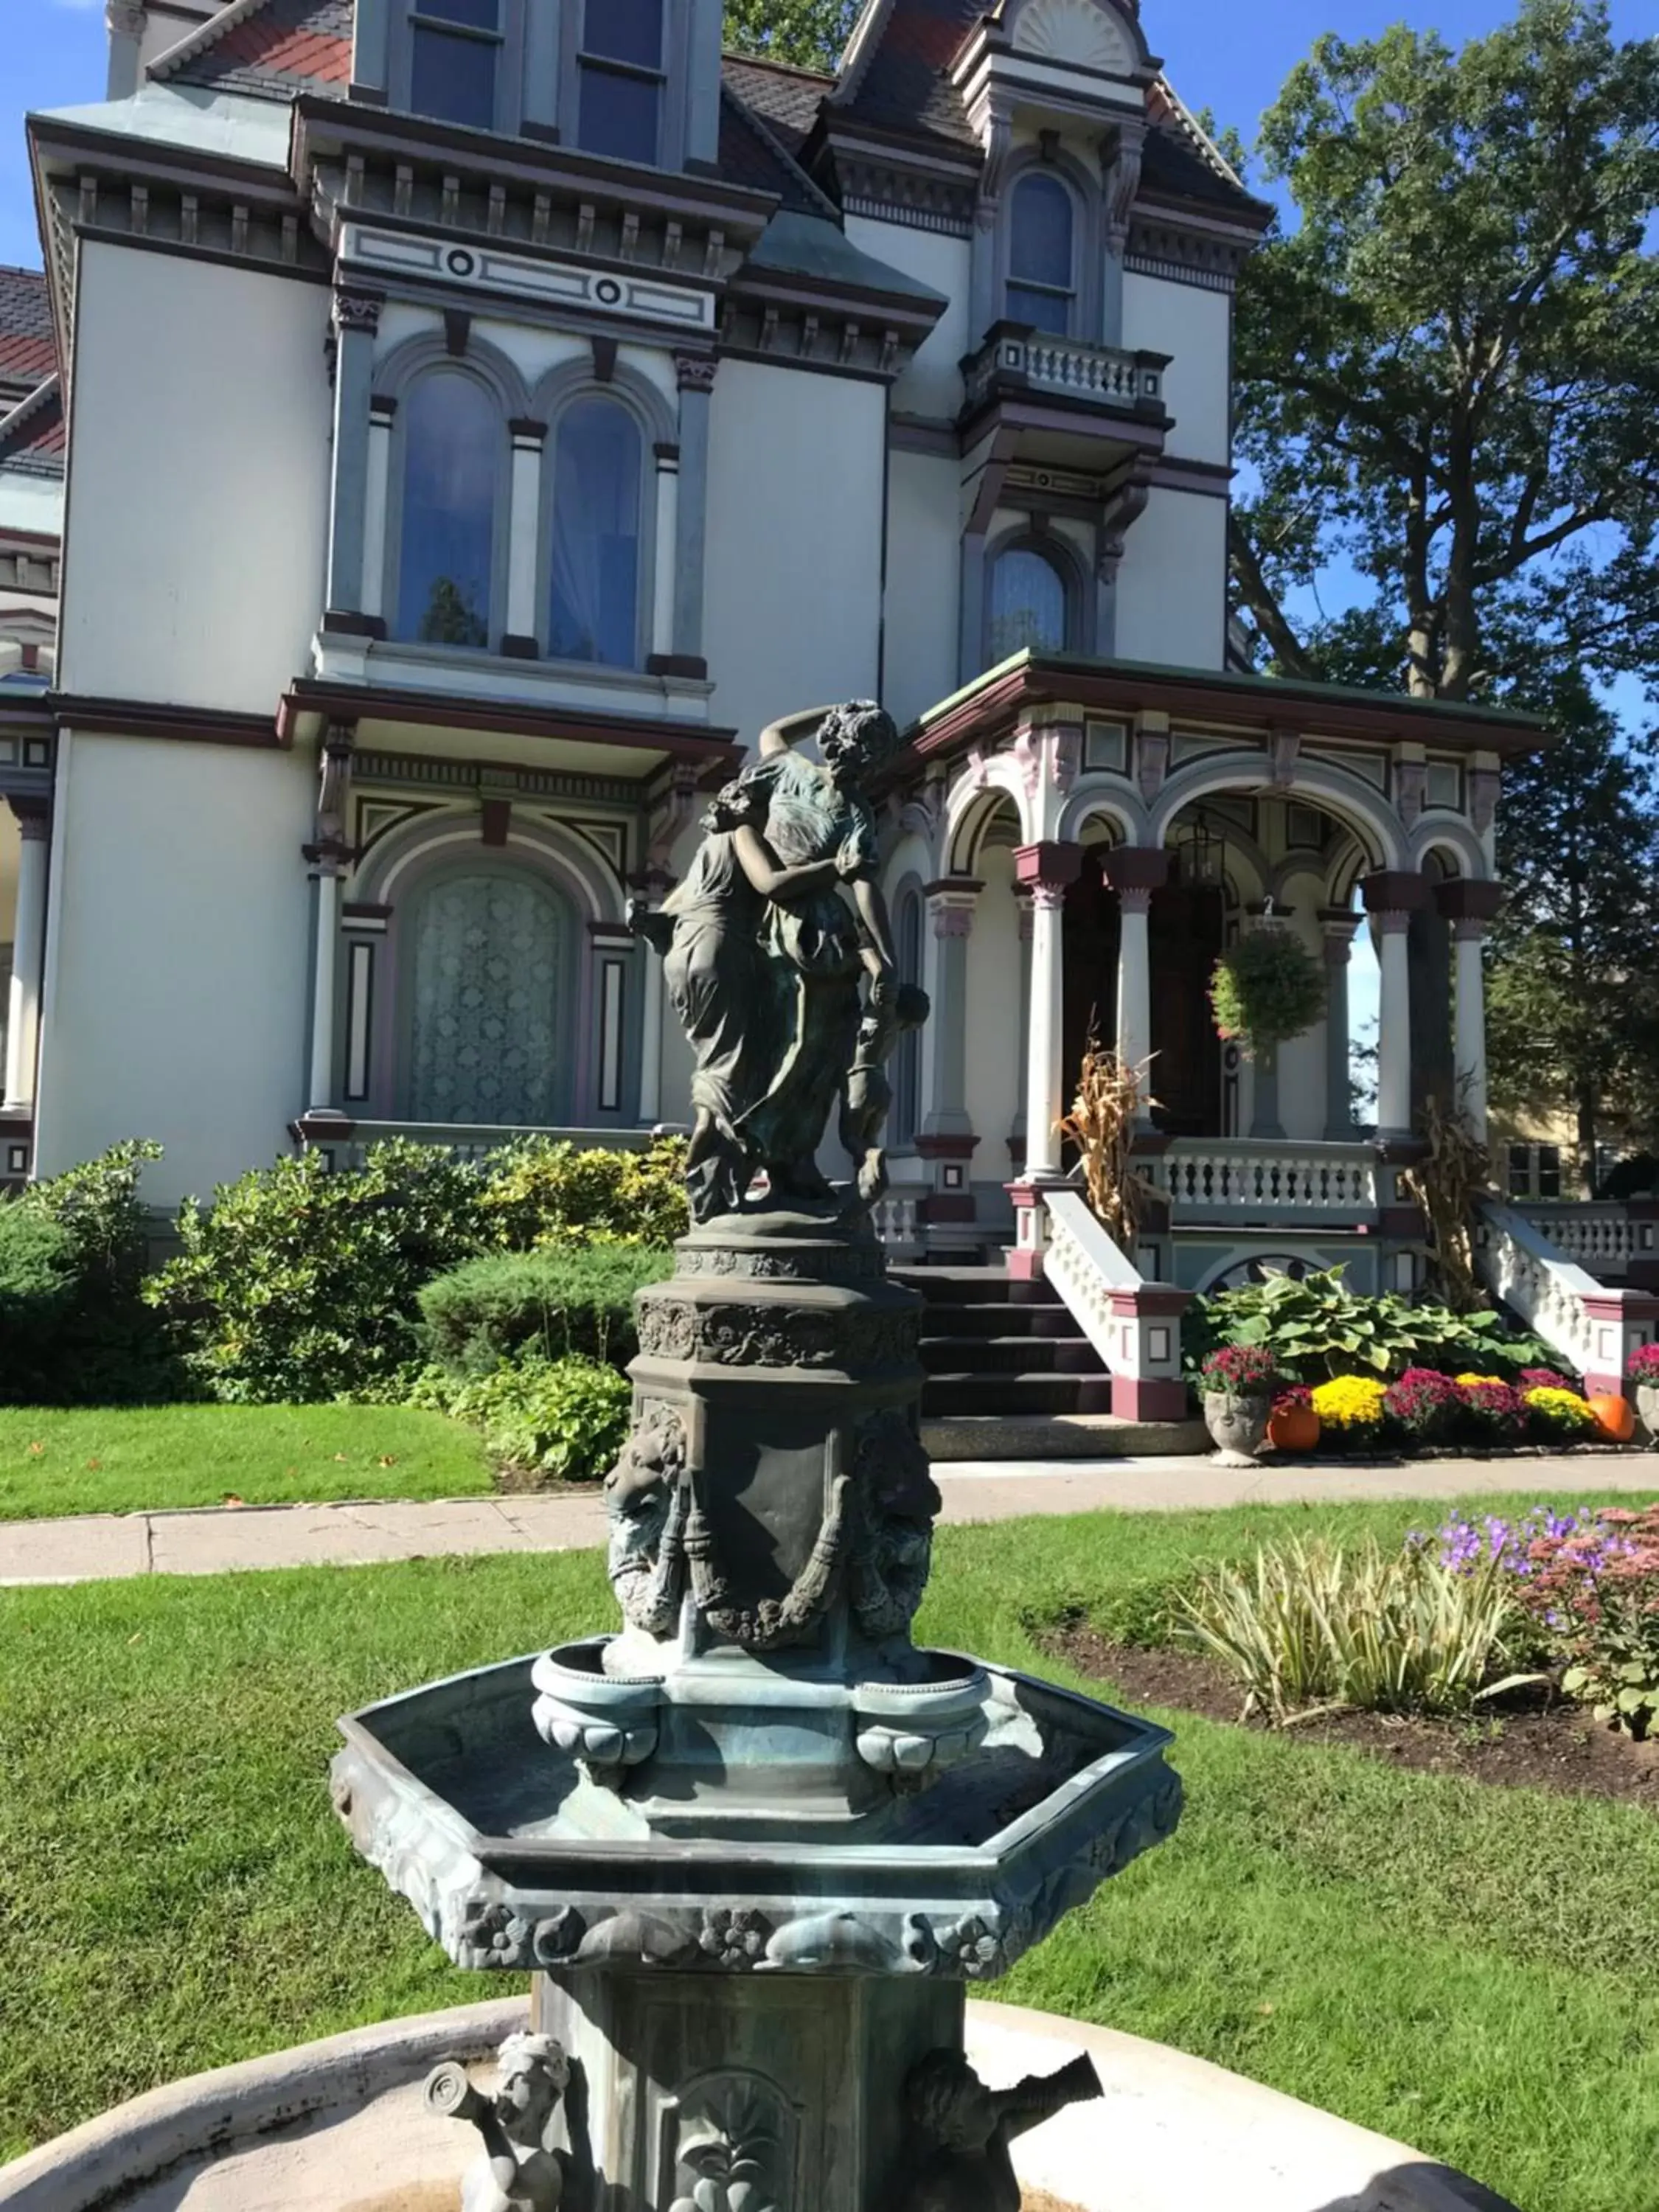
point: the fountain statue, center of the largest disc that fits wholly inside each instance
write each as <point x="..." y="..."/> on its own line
<point x="752" y="1847"/>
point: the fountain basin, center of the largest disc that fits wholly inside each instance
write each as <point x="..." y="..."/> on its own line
<point x="516" y="1856"/>
<point x="340" y="2126"/>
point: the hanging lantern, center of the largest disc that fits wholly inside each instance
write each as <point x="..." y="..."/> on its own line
<point x="1200" y="851"/>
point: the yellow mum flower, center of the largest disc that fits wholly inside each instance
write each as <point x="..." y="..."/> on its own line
<point x="1563" y="1405"/>
<point x="1351" y="1401"/>
<point x="1471" y="1381"/>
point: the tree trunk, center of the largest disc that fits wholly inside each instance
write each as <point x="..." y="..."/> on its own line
<point x="1587" y="1134"/>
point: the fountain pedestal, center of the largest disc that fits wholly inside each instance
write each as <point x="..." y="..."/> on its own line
<point x="753" y="1847"/>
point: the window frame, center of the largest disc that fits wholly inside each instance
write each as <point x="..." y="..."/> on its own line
<point x="1085" y="320"/>
<point x="655" y="426"/>
<point x="673" y="78"/>
<point x="1064" y="558"/>
<point x="440" y="363"/>
<point x="509" y="40"/>
<point x="1047" y="172"/>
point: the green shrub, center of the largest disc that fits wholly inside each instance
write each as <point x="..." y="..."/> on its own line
<point x="301" y="1285"/>
<point x="540" y="1192"/>
<point x="1317" y="1328"/>
<point x="76" y="1331"/>
<point x="1314" y="1627"/>
<point x="560" y="1299"/>
<point x="1266" y="990"/>
<point x="561" y="1419"/>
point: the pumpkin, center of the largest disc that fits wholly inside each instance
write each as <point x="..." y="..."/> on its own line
<point x="1615" y="1416"/>
<point x="1294" y="1429"/>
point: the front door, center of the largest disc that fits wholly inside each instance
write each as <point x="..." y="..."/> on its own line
<point x="1186" y="932"/>
<point x="1088" y="950"/>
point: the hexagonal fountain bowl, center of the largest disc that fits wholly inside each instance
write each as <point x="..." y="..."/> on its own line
<point x="516" y="1856"/>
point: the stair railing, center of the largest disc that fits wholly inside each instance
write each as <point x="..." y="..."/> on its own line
<point x="1134" y="1325"/>
<point x="1591" y="1326"/>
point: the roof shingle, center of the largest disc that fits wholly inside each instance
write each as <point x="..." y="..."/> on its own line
<point x="28" y="349"/>
<point x="786" y="99"/>
<point x="279" y="48"/>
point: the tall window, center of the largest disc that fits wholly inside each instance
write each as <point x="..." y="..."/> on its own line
<point x="1041" y="260"/>
<point x="489" y="1021"/>
<point x="1028" y="604"/>
<point x="622" y="79"/>
<point x="453" y="436"/>
<point x="455" y="54"/>
<point x="596" y="481"/>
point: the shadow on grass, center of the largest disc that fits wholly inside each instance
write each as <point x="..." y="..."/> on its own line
<point x="1421" y="2187"/>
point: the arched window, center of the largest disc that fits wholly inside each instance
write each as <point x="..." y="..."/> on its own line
<point x="597" y="480"/>
<point x="1028" y="604"/>
<point x="490" y="1013"/>
<point x="1042" y="255"/>
<point x="453" y="439"/>
<point x="907" y="1071"/>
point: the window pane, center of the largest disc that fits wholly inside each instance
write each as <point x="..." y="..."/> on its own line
<point x="481" y="14"/>
<point x="488" y="1027"/>
<point x="1040" y="245"/>
<point x="452" y="440"/>
<point x="454" y="78"/>
<point x="1043" y="311"/>
<point x="596" y="537"/>
<point x="619" y="115"/>
<point x="1549" y="1171"/>
<point x="1028" y="605"/>
<point x="626" y="30"/>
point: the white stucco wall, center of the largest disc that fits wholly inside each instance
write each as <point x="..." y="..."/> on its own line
<point x="198" y="494"/>
<point x="792" y="591"/>
<point x="932" y="386"/>
<point x="1172" y="586"/>
<point x="995" y="1070"/>
<point x="178" y="957"/>
<point x="1194" y="327"/>
<point x="924" y="582"/>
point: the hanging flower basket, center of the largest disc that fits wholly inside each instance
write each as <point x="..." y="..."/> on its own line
<point x="1266" y="990"/>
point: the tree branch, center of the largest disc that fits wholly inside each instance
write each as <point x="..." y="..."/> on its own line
<point x="1263" y="604"/>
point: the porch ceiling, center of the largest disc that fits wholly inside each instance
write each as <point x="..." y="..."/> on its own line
<point x="988" y="709"/>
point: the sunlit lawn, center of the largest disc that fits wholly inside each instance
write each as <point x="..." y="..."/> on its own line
<point x="1467" y="1968"/>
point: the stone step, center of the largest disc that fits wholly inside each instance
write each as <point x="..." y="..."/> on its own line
<point x="1010" y="1355"/>
<point x="950" y="1287"/>
<point x="958" y="1323"/>
<point x="954" y="1437"/>
<point x="948" y="1396"/>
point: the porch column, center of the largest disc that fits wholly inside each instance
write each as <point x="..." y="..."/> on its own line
<point x="1339" y="924"/>
<point x="695" y="375"/>
<point x="356" y="320"/>
<point x="518" y="640"/>
<point x="1471" y="907"/>
<point x="1016" y="1134"/>
<point x="1046" y="870"/>
<point x="330" y="854"/>
<point x="1392" y="896"/>
<point x="1134" y="873"/>
<point x="946" y="1138"/>
<point x="667" y="551"/>
<point x="28" y="950"/>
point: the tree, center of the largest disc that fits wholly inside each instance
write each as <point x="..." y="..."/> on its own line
<point x="809" y="33"/>
<point x="1573" y="990"/>
<point x="1450" y="367"/>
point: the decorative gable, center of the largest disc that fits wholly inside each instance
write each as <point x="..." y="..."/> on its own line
<point x="1087" y="33"/>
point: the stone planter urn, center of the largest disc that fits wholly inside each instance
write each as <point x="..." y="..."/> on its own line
<point x="1647" y="1409"/>
<point x="1236" y="1425"/>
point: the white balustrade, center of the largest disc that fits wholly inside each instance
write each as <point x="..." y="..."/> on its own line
<point x="897" y="1220"/>
<point x="1522" y="1268"/>
<point x="1599" y="1237"/>
<point x="1111" y="375"/>
<point x="1086" y="1268"/>
<point x="1226" y="1177"/>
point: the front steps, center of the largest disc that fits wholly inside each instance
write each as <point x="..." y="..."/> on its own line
<point x="1011" y="1376"/>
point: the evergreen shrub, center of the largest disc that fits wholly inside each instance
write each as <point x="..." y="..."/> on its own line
<point x="559" y="1299"/>
<point x="562" y="1420"/>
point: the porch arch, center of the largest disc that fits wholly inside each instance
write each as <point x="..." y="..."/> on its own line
<point x="972" y="807"/>
<point x="1453" y="840"/>
<point x="1111" y="797"/>
<point x="1354" y="803"/>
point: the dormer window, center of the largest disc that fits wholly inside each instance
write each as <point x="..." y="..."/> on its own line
<point x="621" y="64"/>
<point x="455" y="48"/>
<point x="1041" y="288"/>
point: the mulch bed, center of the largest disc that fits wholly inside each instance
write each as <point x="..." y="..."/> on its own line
<point x="1523" y="1741"/>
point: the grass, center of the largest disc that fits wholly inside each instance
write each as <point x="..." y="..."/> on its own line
<point x="1466" y="1968"/>
<point x="123" y="1460"/>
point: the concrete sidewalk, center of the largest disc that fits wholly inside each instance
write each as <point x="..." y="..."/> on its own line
<point x="229" y="1539"/>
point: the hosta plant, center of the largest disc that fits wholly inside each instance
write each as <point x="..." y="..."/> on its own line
<point x="1317" y="1327"/>
<point x="1313" y="1628"/>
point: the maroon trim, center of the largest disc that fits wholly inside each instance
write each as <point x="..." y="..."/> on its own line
<point x="314" y="1128"/>
<point x="1395" y="890"/>
<point x="1408" y="1223"/>
<point x="349" y="702"/>
<point x="1137" y="868"/>
<point x="1050" y="862"/>
<point x="1024" y="1267"/>
<point x="1152" y="1301"/>
<point x="943" y="1206"/>
<point x="993" y="706"/>
<point x="1135" y="1398"/>
<point x="689" y="665"/>
<point x="520" y="649"/>
<point x="497" y="820"/>
<point x="666" y="450"/>
<point x="1463" y="899"/>
<point x="341" y="621"/>
<point x="967" y="885"/>
<point x="947" y="1148"/>
<point x="605" y="360"/>
<point x="526" y="426"/>
<point x="150" y="718"/>
<point x="361" y="911"/>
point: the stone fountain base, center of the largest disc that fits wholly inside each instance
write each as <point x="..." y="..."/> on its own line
<point x="340" y="2126"/>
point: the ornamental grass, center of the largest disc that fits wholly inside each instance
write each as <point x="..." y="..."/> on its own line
<point x="1315" y="1628"/>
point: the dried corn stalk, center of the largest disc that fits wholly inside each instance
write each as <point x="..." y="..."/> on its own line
<point x="1102" y="1124"/>
<point x="1447" y="1182"/>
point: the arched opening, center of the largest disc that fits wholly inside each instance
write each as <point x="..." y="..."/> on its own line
<point x="598" y="486"/>
<point x="489" y="955"/>
<point x="1030" y="604"/>
<point x="454" y="442"/>
<point x="907" y="1064"/>
<point x="1041" y="287"/>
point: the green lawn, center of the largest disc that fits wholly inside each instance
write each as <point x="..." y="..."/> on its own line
<point x="1467" y="1968"/>
<point x="123" y="1460"/>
